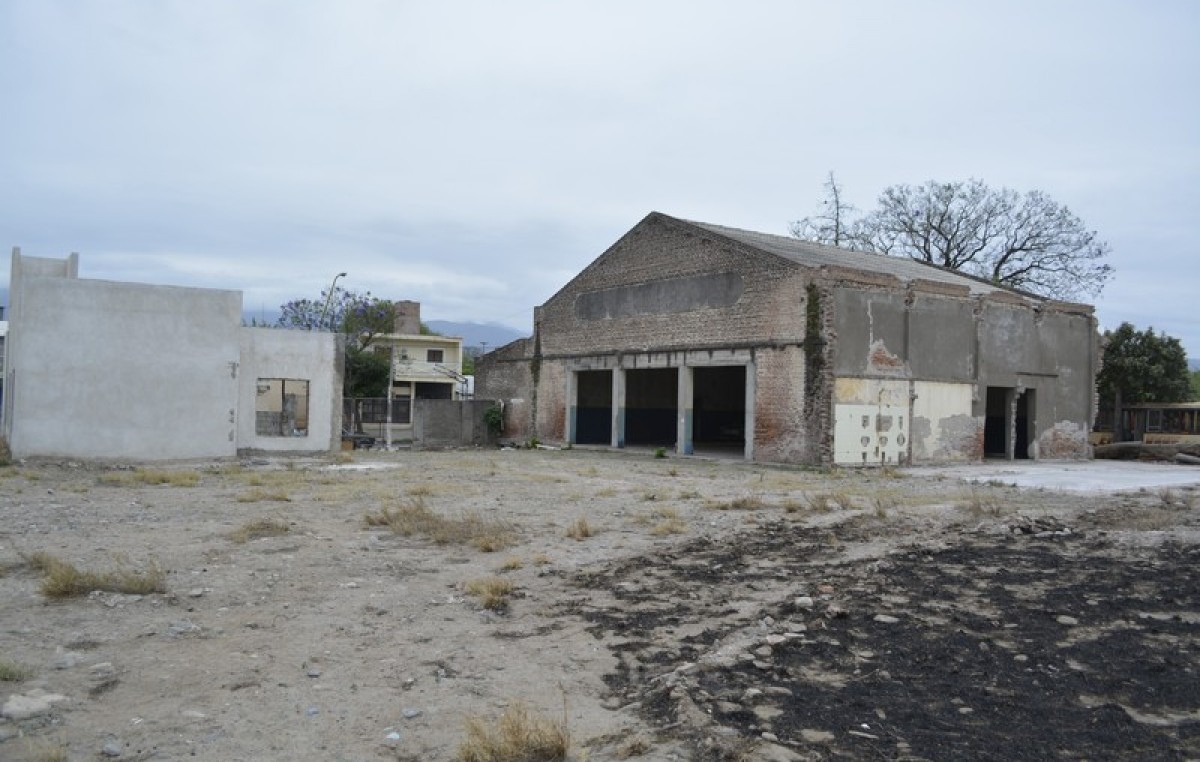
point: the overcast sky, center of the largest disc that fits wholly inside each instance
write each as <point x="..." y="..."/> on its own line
<point x="475" y="156"/>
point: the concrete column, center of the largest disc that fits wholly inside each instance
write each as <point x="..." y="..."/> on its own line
<point x="751" y="385"/>
<point x="572" y="399"/>
<point x="683" y="431"/>
<point x="618" y="407"/>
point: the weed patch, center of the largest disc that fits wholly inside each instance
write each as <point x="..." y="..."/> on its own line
<point x="254" y="530"/>
<point x="414" y="518"/>
<point x="493" y="592"/>
<point x="519" y="735"/>
<point x="151" y="476"/>
<point x="743" y="503"/>
<point x="64" y="580"/>
<point x="260" y="495"/>
<point x="11" y="672"/>
<point x="580" y="529"/>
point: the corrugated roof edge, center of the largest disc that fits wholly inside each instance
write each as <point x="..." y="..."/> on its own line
<point x="811" y="254"/>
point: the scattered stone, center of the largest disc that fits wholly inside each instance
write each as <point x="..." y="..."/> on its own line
<point x="392" y="739"/>
<point x="886" y="619"/>
<point x="67" y="659"/>
<point x="181" y="627"/>
<point x="774" y="640"/>
<point x="804" y="602"/>
<point x="112" y="749"/>
<point x="769" y="736"/>
<point x="194" y="714"/>
<point x="410" y="714"/>
<point x="195" y="592"/>
<point x="816" y="736"/>
<point x="313" y="671"/>
<point x="1070" y="621"/>
<point x="751" y="694"/>
<point x="33" y="704"/>
<point x="312" y="711"/>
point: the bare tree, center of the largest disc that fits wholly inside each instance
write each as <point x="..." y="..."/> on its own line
<point x="1027" y="241"/>
<point x="834" y="225"/>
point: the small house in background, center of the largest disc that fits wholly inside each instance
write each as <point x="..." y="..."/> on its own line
<point x="424" y="366"/>
<point x="705" y="338"/>
<point x="106" y="369"/>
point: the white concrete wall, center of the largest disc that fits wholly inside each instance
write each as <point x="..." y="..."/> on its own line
<point x="99" y="369"/>
<point x="304" y="355"/>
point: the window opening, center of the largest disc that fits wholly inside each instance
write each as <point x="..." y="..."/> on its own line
<point x="281" y="407"/>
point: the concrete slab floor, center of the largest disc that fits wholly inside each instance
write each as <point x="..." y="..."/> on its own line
<point x="1089" y="476"/>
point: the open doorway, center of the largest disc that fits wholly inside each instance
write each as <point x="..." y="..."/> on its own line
<point x="651" y="406"/>
<point x="593" y="407"/>
<point x="719" y="408"/>
<point x="995" y="424"/>
<point x="1003" y="424"/>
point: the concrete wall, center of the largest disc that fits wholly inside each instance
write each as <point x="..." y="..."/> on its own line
<point x="98" y="369"/>
<point x="941" y="348"/>
<point x="312" y="356"/>
<point x="451" y="423"/>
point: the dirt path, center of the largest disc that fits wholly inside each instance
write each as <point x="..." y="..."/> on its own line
<point x="715" y="610"/>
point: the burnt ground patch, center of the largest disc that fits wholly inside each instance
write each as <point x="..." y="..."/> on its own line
<point x="1000" y="645"/>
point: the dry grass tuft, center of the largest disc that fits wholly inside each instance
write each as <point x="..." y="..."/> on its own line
<point x="580" y="529"/>
<point x="519" y="735"/>
<point x="151" y="476"/>
<point x="493" y="592"/>
<point x="842" y="500"/>
<point x="11" y="672"/>
<point x="977" y="504"/>
<point x="414" y="518"/>
<point x="64" y="580"/>
<point x="45" y="751"/>
<point x="743" y="503"/>
<point x="512" y="563"/>
<point x="541" y="559"/>
<point x="253" y="530"/>
<point x="665" y="520"/>
<point x="259" y="495"/>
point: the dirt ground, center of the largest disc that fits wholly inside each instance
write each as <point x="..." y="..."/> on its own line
<point x="712" y="610"/>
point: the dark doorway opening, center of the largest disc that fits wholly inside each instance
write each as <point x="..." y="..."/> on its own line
<point x="995" y="425"/>
<point x="593" y="407"/>
<point x="651" y="406"/>
<point x="719" y="407"/>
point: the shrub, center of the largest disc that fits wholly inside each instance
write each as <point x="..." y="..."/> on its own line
<point x="518" y="736"/>
<point x="11" y="672"/>
<point x="580" y="529"/>
<point x="64" y="580"/>
<point x="493" y="417"/>
<point x="493" y="592"/>
<point x="253" y="530"/>
<point x="415" y="518"/>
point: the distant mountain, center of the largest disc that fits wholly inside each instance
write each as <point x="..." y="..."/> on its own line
<point x="1194" y="364"/>
<point x="476" y="334"/>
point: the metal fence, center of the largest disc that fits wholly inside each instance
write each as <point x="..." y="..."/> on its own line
<point x="369" y="415"/>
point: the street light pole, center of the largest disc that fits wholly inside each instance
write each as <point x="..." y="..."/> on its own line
<point x="329" y="297"/>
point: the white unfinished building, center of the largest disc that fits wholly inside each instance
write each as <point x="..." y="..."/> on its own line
<point x="106" y="369"/>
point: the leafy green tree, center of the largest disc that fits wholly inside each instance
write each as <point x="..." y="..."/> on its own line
<point x="1196" y="384"/>
<point x="361" y="318"/>
<point x="1142" y="366"/>
<point x="1025" y="241"/>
